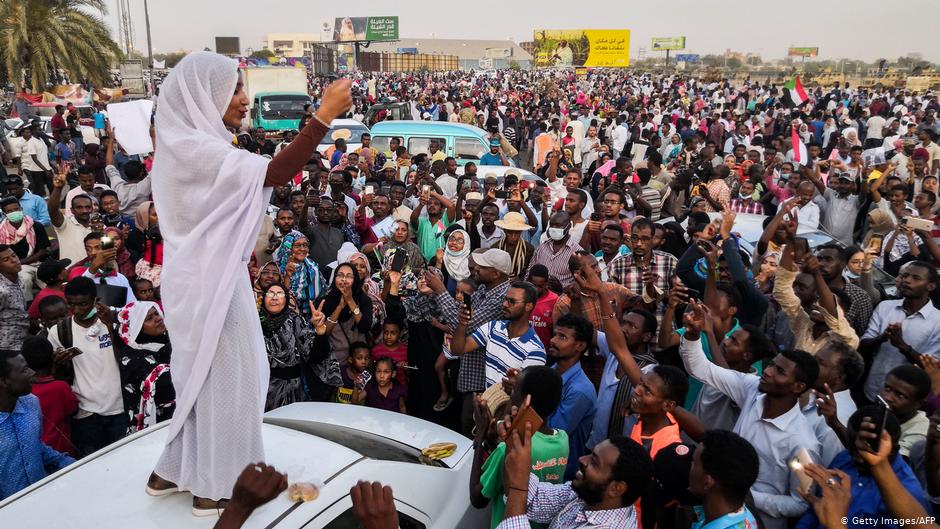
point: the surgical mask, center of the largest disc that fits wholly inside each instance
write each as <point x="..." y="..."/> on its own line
<point x="361" y="181"/>
<point x="91" y="314"/>
<point x="784" y="176"/>
<point x="848" y="274"/>
<point x="15" y="217"/>
<point x="742" y="196"/>
<point x="556" y="234"/>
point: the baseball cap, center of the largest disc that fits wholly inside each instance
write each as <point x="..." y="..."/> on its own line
<point x="49" y="270"/>
<point x="494" y="258"/>
<point x="494" y="142"/>
<point x="844" y="176"/>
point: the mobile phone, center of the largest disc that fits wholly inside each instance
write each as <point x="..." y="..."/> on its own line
<point x="74" y="351"/>
<point x="107" y="243"/>
<point x="801" y="248"/>
<point x="502" y="194"/>
<point x="917" y="223"/>
<point x="526" y="414"/>
<point x="595" y="216"/>
<point x="875" y="243"/>
<point x="398" y="261"/>
<point x="880" y="419"/>
<point x="468" y="302"/>
<point x="370" y="190"/>
<point x="693" y="293"/>
<point x="425" y="189"/>
<point x="798" y="466"/>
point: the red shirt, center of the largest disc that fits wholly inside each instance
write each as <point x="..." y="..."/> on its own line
<point x="542" y="316"/>
<point x="33" y="310"/>
<point x="58" y="123"/>
<point x="57" y="403"/>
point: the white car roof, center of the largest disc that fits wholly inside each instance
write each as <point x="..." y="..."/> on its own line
<point x="499" y="171"/>
<point x="343" y="122"/>
<point x="107" y="489"/>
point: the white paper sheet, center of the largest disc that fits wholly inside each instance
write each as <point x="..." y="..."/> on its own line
<point x="131" y="124"/>
<point x="384" y="228"/>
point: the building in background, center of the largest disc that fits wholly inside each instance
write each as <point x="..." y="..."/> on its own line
<point x="291" y="44"/>
<point x="472" y="54"/>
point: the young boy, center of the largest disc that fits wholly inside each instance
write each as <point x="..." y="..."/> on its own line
<point x="355" y="372"/>
<point x="394" y="348"/>
<point x="56" y="399"/>
<point x="654" y="399"/>
<point x="549" y="446"/>
<point x="906" y="387"/>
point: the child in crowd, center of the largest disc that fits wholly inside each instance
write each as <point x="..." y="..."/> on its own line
<point x="383" y="391"/>
<point x="144" y="291"/>
<point x="394" y="348"/>
<point x="355" y="373"/>
<point x="56" y="399"/>
<point x="906" y="387"/>
<point x="465" y="287"/>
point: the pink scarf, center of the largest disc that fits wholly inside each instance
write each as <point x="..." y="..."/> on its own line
<point x="10" y="234"/>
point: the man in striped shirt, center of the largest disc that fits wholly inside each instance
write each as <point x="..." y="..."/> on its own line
<point x="510" y="342"/>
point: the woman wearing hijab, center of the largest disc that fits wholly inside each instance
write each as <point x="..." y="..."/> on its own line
<point x="369" y="286"/>
<point x="456" y="263"/>
<point x="124" y="261"/>
<point x="150" y="265"/>
<point x="210" y="195"/>
<point x="268" y="275"/>
<point x="400" y="241"/>
<point x="671" y="150"/>
<point x="301" y="275"/>
<point x="144" y="354"/>
<point x="348" y="311"/>
<point x="294" y="346"/>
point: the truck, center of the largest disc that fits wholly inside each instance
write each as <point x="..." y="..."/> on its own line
<point x="277" y="96"/>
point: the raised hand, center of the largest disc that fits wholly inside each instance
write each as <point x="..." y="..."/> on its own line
<point x="336" y="100"/>
<point x="374" y="505"/>
<point x="258" y="484"/>
<point x="317" y="317"/>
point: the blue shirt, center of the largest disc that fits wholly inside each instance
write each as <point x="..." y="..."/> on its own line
<point x="695" y="386"/>
<point x="740" y="519"/>
<point x="99" y="120"/>
<point x="24" y="459"/>
<point x="866" y="502"/>
<point x="491" y="159"/>
<point x="35" y="208"/>
<point x="575" y="414"/>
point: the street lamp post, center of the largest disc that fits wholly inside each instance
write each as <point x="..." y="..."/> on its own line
<point x="149" y="44"/>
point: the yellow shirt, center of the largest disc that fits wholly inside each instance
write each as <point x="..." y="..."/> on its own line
<point x="800" y="322"/>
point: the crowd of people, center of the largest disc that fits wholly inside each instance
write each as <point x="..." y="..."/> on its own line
<point x="673" y="362"/>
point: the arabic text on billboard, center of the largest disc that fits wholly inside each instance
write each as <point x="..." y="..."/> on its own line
<point x="582" y="47"/>
<point x="803" y="52"/>
<point x="668" y="43"/>
<point x="353" y="29"/>
<point x="688" y="57"/>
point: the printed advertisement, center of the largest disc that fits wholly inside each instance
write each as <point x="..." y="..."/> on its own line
<point x="582" y="47"/>
<point x="803" y="52"/>
<point x="668" y="43"/>
<point x="361" y="29"/>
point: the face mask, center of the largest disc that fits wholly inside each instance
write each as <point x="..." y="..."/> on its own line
<point x="361" y="181"/>
<point x="784" y="176"/>
<point x="91" y="314"/>
<point x="556" y="234"/>
<point x="848" y="274"/>
<point x="15" y="217"/>
<point x="742" y="196"/>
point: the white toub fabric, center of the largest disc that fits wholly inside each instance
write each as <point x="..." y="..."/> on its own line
<point x="210" y="199"/>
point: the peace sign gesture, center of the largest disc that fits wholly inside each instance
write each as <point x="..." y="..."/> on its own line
<point x="317" y="318"/>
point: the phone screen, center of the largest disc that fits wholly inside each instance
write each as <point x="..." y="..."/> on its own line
<point x="880" y="420"/>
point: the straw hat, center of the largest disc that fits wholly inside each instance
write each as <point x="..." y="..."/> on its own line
<point x="341" y="134"/>
<point x="513" y="221"/>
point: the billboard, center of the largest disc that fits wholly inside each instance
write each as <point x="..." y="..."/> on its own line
<point x="582" y="47"/>
<point x="497" y="53"/>
<point x="408" y="51"/>
<point x="688" y="57"/>
<point x="227" y="45"/>
<point x="668" y="43"/>
<point x="803" y="52"/>
<point x="359" y="29"/>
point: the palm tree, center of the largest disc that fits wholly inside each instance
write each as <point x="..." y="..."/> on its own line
<point x="38" y="38"/>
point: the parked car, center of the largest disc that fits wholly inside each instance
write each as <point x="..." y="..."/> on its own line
<point x="355" y="128"/>
<point x="395" y="110"/>
<point x="14" y="124"/>
<point x="466" y="143"/>
<point x="337" y="444"/>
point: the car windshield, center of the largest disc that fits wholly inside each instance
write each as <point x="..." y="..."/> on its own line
<point x="283" y="107"/>
<point x="355" y="134"/>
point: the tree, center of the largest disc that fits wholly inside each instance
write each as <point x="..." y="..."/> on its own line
<point x="734" y="63"/>
<point x="514" y="65"/>
<point x="38" y="38"/>
<point x="263" y="53"/>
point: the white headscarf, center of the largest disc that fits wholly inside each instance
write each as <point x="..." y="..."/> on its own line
<point x="131" y="321"/>
<point x="458" y="264"/>
<point x="210" y="199"/>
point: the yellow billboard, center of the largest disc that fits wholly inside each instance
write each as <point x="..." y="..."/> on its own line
<point x="582" y="47"/>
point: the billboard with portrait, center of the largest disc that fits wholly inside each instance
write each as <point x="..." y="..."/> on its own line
<point x="582" y="47"/>
<point x="803" y="52"/>
<point x="361" y="29"/>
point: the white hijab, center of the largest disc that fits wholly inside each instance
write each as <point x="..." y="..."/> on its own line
<point x="458" y="264"/>
<point x="210" y="199"/>
<point x="131" y="319"/>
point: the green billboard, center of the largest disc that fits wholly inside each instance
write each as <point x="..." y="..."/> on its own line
<point x="361" y="29"/>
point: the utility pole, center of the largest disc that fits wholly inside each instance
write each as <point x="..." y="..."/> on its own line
<point x="149" y="45"/>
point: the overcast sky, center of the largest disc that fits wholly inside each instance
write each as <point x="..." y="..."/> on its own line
<point x="864" y="29"/>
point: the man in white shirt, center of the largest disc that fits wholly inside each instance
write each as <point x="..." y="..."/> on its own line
<point x="808" y="212"/>
<point x="741" y="136"/>
<point x="619" y="137"/>
<point x="770" y="417"/>
<point x="70" y="230"/>
<point x="829" y="404"/>
<point x="875" y="125"/>
<point x="87" y="347"/>
<point x="34" y="161"/>
<point x="448" y="180"/>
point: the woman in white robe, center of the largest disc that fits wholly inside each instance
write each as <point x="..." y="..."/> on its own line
<point x="211" y="198"/>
